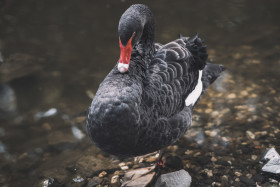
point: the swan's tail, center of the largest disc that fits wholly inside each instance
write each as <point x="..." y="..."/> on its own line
<point x="198" y="50"/>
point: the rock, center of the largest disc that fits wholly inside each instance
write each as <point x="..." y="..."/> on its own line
<point x="250" y="135"/>
<point x="124" y="168"/>
<point x="273" y="162"/>
<point x="254" y="157"/>
<point x="102" y="174"/>
<point x="94" y="182"/>
<point x="179" y="178"/>
<point x="121" y="164"/>
<point x="247" y="181"/>
<point x="258" y="178"/>
<point x="43" y="114"/>
<point x="78" y="179"/>
<point x="139" y="177"/>
<point x="208" y="172"/>
<point x="237" y="173"/>
<point x="174" y="162"/>
<point x="115" y="180"/>
<point x="231" y="96"/>
<point x="151" y="159"/>
<point x="19" y="65"/>
<point x="77" y="132"/>
<point x="224" y="180"/>
<point x="47" y="182"/>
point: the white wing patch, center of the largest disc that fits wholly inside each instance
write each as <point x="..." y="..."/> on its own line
<point x="195" y="94"/>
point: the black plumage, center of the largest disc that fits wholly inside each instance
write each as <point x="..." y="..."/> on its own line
<point x="144" y="109"/>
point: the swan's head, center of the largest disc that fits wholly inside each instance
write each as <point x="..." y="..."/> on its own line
<point x="125" y="55"/>
<point x="130" y="31"/>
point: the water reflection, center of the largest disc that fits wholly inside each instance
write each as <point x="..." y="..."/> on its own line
<point x="8" y="103"/>
<point x="57" y="53"/>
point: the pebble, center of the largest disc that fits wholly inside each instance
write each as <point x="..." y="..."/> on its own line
<point x="249" y="175"/>
<point x="78" y="179"/>
<point x="47" y="182"/>
<point x="244" y="93"/>
<point x="216" y="184"/>
<point x="254" y="157"/>
<point x="188" y="152"/>
<point x="151" y="159"/>
<point x="214" y="114"/>
<point x="237" y="173"/>
<point x="102" y="174"/>
<point x="90" y="94"/>
<point x="212" y="133"/>
<point x="196" y="154"/>
<point x="179" y="178"/>
<point x="261" y="134"/>
<point x="80" y="119"/>
<point x="115" y="179"/>
<point x="129" y="163"/>
<point x="250" y="135"/>
<point x="122" y="164"/>
<point x="208" y="111"/>
<point x="213" y="159"/>
<point x="208" y="172"/>
<point x="247" y="181"/>
<point x="119" y="173"/>
<point x="224" y="180"/>
<point x="124" y="168"/>
<point x="46" y="126"/>
<point x="231" y="96"/>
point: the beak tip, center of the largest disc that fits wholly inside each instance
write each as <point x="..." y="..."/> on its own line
<point x="122" y="67"/>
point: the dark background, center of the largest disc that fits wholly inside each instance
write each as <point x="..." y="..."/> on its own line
<point x="56" y="53"/>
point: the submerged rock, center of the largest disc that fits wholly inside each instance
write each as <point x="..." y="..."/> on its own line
<point x="179" y="178"/>
<point x="8" y="103"/>
<point x="43" y="114"/>
<point x="19" y="65"/>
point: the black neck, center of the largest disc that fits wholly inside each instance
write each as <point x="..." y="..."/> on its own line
<point x="139" y="19"/>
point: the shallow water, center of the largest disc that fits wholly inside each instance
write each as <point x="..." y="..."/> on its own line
<point x="57" y="52"/>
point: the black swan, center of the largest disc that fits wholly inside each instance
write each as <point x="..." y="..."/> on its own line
<point x="145" y="103"/>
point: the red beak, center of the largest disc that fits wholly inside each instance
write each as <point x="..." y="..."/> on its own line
<point x="124" y="60"/>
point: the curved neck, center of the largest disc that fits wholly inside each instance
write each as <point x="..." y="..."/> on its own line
<point x="139" y="19"/>
<point x="145" y="46"/>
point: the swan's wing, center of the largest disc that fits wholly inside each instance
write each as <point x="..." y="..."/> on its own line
<point x="173" y="75"/>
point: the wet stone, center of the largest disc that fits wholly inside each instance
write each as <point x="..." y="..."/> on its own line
<point x="47" y="182"/>
<point x="151" y="159"/>
<point x="247" y="181"/>
<point x="174" y="162"/>
<point x="179" y="178"/>
<point x="258" y="178"/>
<point x="224" y="179"/>
<point x="273" y="162"/>
<point x="94" y="182"/>
<point x="138" y="177"/>
<point x="237" y="173"/>
<point x="250" y="135"/>
<point x="102" y="174"/>
<point x="87" y="165"/>
<point x="78" y="179"/>
<point x="115" y="180"/>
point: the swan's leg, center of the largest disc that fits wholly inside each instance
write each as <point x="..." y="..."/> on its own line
<point x="159" y="161"/>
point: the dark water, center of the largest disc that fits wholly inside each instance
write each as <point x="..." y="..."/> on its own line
<point x="57" y="52"/>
